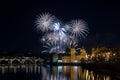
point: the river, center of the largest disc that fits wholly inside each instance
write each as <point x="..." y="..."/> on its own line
<point x="34" y="72"/>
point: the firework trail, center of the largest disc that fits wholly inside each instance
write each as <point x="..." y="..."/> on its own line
<point x="50" y="48"/>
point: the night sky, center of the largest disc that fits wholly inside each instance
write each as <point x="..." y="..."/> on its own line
<point x="18" y="33"/>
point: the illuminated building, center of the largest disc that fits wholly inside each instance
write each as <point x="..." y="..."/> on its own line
<point x="73" y="57"/>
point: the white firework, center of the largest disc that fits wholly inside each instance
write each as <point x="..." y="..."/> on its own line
<point x="50" y="48"/>
<point x="44" y="21"/>
<point x="52" y="37"/>
<point x="58" y="36"/>
<point x="67" y="27"/>
<point x="78" y="28"/>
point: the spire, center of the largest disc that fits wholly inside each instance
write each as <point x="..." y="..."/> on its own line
<point x="72" y="45"/>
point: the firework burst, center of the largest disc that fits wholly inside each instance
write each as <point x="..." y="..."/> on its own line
<point x="78" y="28"/>
<point x="58" y="36"/>
<point x="44" y="21"/>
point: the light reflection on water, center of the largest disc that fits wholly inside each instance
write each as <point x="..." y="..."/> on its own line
<point x="53" y="73"/>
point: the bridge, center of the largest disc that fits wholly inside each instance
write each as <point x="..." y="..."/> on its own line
<point x="20" y="60"/>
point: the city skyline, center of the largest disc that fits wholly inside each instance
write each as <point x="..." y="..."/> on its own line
<point x="18" y="32"/>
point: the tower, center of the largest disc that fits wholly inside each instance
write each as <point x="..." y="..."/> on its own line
<point x="72" y="53"/>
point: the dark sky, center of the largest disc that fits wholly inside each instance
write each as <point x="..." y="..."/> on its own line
<point x="17" y="30"/>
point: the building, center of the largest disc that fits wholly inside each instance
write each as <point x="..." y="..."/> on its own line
<point x="72" y="57"/>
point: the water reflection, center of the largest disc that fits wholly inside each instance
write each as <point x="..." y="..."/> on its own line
<point x="54" y="72"/>
<point x="20" y="68"/>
